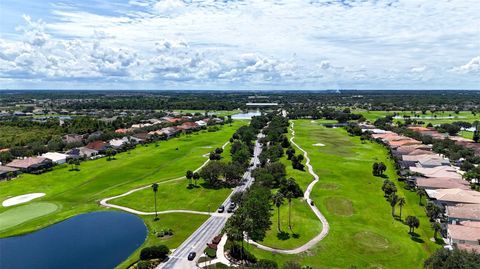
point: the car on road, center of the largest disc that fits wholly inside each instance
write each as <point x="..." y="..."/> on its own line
<point x="191" y="255"/>
<point x="231" y="207"/>
<point x="221" y="209"/>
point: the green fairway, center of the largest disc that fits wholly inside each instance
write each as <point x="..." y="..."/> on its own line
<point x="428" y="117"/>
<point x="79" y="192"/>
<point x="183" y="225"/>
<point x="175" y="195"/>
<point x="21" y="214"/>
<point x="362" y="231"/>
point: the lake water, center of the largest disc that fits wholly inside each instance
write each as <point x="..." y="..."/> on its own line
<point x="246" y="116"/>
<point x="94" y="240"/>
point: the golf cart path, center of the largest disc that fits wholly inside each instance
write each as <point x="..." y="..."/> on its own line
<point x="105" y="202"/>
<point x="306" y="196"/>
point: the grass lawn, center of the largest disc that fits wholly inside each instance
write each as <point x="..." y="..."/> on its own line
<point x="79" y="192"/>
<point x="175" y="195"/>
<point x="183" y="225"/>
<point x="362" y="230"/>
<point x="466" y="134"/>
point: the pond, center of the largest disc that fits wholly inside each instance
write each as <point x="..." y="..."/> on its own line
<point x="93" y="240"/>
<point x="246" y="116"/>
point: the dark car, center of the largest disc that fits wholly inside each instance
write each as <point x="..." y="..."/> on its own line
<point x="221" y="209"/>
<point x="191" y="255"/>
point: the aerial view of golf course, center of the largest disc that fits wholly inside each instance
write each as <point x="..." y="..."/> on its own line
<point x="249" y="134"/>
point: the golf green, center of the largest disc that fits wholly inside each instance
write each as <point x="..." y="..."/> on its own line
<point x="17" y="215"/>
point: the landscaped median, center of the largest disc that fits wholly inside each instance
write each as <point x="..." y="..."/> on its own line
<point x="362" y="231"/>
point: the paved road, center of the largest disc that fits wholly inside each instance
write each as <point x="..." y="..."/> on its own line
<point x="197" y="242"/>
<point x="325" y="226"/>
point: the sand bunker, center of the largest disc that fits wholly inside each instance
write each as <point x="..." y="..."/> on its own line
<point x="319" y="145"/>
<point x="22" y="199"/>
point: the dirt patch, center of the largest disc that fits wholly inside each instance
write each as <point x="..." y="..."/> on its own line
<point x="328" y="186"/>
<point x="371" y="240"/>
<point x="339" y="206"/>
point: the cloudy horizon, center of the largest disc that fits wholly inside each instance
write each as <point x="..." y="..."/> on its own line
<point x="240" y="45"/>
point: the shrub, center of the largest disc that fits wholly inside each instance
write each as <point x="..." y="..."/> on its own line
<point x="143" y="265"/>
<point x="154" y="252"/>
<point x="266" y="264"/>
<point x="210" y="252"/>
<point x="236" y="253"/>
<point x="292" y="265"/>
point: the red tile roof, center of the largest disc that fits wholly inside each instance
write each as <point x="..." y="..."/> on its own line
<point x="96" y="145"/>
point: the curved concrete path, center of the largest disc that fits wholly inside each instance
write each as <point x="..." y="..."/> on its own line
<point x="104" y="202"/>
<point x="306" y="196"/>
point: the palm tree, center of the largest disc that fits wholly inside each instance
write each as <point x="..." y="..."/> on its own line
<point x="155" y="189"/>
<point x="436" y="228"/>
<point x="393" y="202"/>
<point x="278" y="201"/>
<point x="401" y="203"/>
<point x="412" y="222"/>
<point x="189" y="176"/>
<point x="289" y="195"/>
<point x="420" y="193"/>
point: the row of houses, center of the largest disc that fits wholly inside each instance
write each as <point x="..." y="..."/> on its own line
<point x="467" y="143"/>
<point x="94" y="149"/>
<point x="443" y="183"/>
<point x="187" y="124"/>
<point x="44" y="162"/>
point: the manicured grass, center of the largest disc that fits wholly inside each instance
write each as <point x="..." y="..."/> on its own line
<point x="183" y="225"/>
<point x="305" y="225"/>
<point x="79" y="192"/>
<point x="441" y="117"/>
<point x="20" y="214"/>
<point x="362" y="230"/>
<point x="175" y="195"/>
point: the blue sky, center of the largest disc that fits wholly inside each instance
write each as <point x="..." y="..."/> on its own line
<point x="234" y="44"/>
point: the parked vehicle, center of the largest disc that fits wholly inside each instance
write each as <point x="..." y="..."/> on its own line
<point x="231" y="207"/>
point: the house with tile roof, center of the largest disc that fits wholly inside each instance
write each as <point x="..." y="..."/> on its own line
<point x="462" y="212"/>
<point x="441" y="183"/>
<point x="448" y="197"/>
<point x="31" y="164"/>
